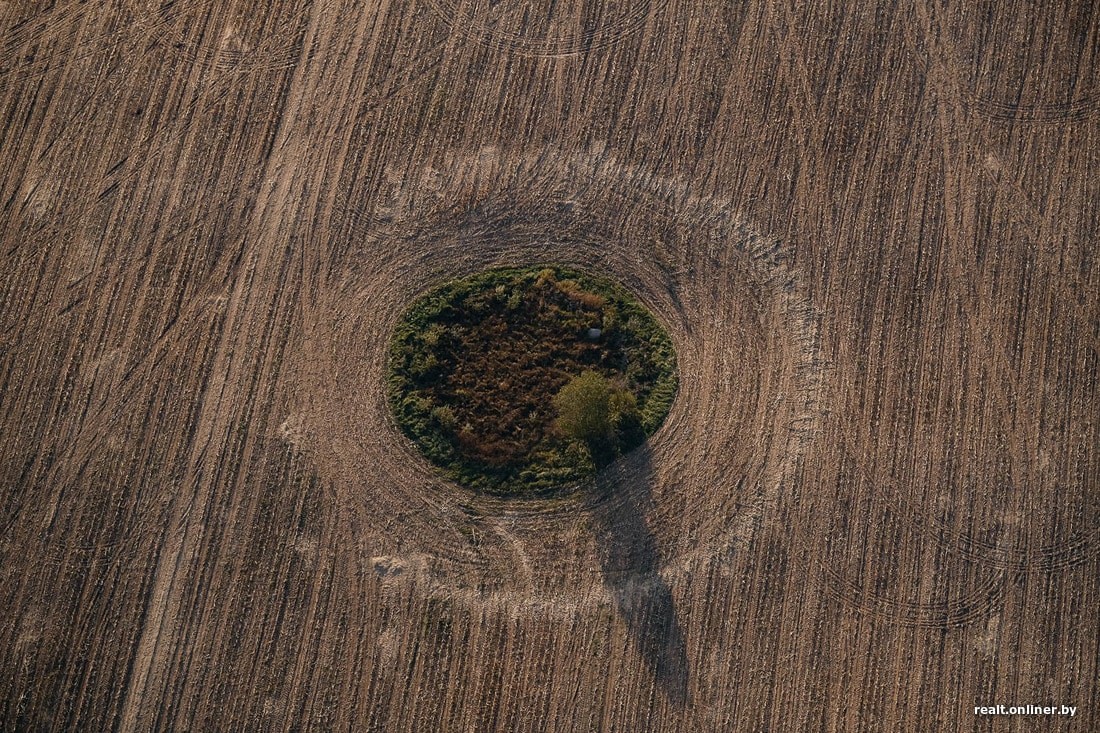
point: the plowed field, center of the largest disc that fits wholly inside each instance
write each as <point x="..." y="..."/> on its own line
<point x="869" y="228"/>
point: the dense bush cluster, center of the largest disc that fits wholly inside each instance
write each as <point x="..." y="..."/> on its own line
<point x="521" y="381"/>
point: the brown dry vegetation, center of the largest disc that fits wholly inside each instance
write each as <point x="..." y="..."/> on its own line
<point x="871" y="228"/>
<point x="477" y="366"/>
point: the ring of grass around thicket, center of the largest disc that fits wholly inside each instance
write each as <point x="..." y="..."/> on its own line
<point x="482" y="370"/>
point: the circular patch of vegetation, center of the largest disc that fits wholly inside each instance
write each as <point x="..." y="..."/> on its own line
<point x="521" y="381"/>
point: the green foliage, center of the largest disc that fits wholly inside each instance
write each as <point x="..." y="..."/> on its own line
<point x="624" y="412"/>
<point x="445" y="417"/>
<point x="584" y="409"/>
<point x="600" y="414"/>
<point x="496" y="381"/>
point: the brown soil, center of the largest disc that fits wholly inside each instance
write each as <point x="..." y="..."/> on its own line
<point x="870" y="227"/>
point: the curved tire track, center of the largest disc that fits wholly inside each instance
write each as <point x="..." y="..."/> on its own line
<point x="744" y="335"/>
<point x="935" y="41"/>
<point x="977" y="603"/>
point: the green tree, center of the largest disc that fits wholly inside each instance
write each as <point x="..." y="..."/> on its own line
<point x="584" y="409"/>
<point x="602" y="415"/>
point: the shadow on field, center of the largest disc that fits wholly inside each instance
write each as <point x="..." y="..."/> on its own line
<point x="630" y="561"/>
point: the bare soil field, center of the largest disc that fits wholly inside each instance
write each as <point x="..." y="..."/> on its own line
<point x="869" y="228"/>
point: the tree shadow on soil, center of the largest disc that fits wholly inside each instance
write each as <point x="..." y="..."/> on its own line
<point x="630" y="561"/>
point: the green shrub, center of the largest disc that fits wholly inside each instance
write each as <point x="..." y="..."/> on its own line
<point x="584" y="409"/>
<point x="445" y="417"/>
